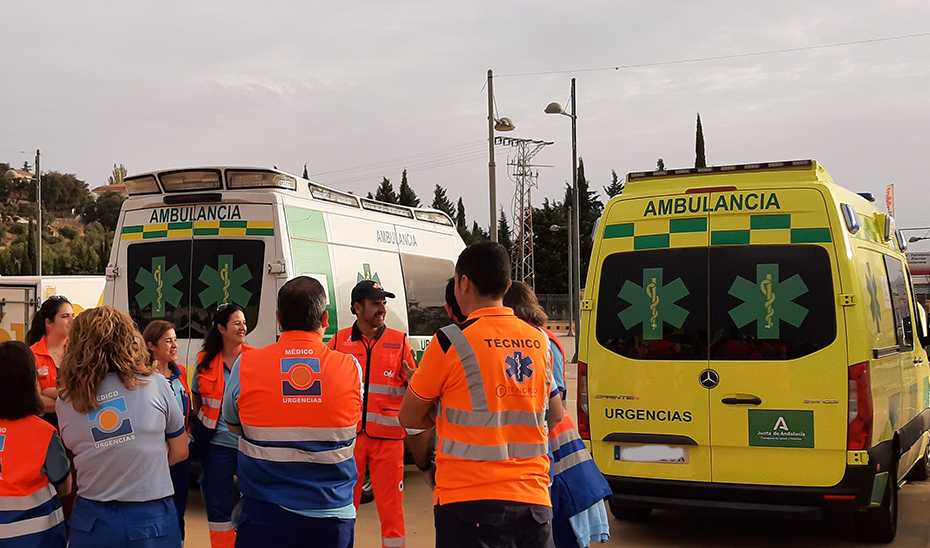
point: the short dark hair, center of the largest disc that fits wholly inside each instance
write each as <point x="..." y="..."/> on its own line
<point x="301" y="303"/>
<point x="454" y="304"/>
<point x="19" y="396"/>
<point x="487" y="265"/>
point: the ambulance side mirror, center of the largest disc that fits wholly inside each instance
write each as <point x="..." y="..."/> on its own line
<point x="922" y="333"/>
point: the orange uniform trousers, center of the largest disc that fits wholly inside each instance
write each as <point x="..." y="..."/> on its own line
<point x="385" y="461"/>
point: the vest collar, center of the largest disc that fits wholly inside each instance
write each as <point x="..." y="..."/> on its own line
<point x="290" y="337"/>
<point x="491" y="311"/>
<point x="357" y="333"/>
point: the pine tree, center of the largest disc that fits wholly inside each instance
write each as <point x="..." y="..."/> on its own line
<point x="119" y="173"/>
<point x="460" y="222"/>
<point x="306" y="175"/>
<point x="590" y="208"/>
<point x="699" y="160"/>
<point x="504" y="234"/>
<point x="660" y="165"/>
<point x="442" y="203"/>
<point x="616" y="185"/>
<point x="405" y="195"/>
<point x="385" y="192"/>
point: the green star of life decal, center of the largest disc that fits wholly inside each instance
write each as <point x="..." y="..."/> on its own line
<point x="875" y="308"/>
<point x="653" y="304"/>
<point x="760" y="298"/>
<point x="224" y="285"/>
<point x="158" y="287"/>
<point x="366" y="274"/>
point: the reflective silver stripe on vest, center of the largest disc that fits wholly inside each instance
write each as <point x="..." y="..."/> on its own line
<point x="387" y="390"/>
<point x="28" y="502"/>
<point x="33" y="525"/>
<point x="495" y="419"/>
<point x="493" y="452"/>
<point x="382" y="419"/>
<point x="569" y="435"/>
<point x="479" y="401"/>
<point x="292" y="454"/>
<point x="208" y="422"/>
<point x="221" y="525"/>
<point x="293" y="433"/>
<point x="570" y="460"/>
<point x="393" y="542"/>
<point x="211" y="402"/>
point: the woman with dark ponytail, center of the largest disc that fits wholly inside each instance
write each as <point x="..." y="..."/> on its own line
<point x="47" y="337"/>
<point x="215" y="444"/>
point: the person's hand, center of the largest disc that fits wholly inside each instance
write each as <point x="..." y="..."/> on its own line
<point x="429" y="475"/>
<point x="408" y="371"/>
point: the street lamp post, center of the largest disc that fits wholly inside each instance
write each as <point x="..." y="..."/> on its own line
<point x="556" y="108"/>
<point x="502" y="124"/>
<point x="571" y="303"/>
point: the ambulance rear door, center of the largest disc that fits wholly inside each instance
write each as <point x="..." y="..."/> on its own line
<point x="777" y="340"/>
<point x="648" y="410"/>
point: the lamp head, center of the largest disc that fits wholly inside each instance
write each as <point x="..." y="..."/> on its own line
<point x="504" y="124"/>
<point x="554" y="228"/>
<point x="554" y="108"/>
<point x="11" y="175"/>
<point x="913" y="239"/>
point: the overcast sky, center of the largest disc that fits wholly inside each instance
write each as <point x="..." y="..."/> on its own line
<point x="360" y="90"/>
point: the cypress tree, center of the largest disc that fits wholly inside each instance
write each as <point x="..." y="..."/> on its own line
<point x="699" y="160"/>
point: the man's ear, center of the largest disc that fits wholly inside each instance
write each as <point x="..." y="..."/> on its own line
<point x="277" y="317"/>
<point x="324" y="322"/>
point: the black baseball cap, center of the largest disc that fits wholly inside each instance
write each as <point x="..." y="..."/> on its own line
<point x="369" y="289"/>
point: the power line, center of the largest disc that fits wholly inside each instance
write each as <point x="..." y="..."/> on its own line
<point x="721" y="57"/>
<point x="412" y="168"/>
<point x="413" y="157"/>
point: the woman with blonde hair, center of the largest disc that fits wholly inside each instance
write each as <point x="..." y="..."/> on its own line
<point x="117" y="416"/>
<point x="577" y="488"/>
<point x="161" y="340"/>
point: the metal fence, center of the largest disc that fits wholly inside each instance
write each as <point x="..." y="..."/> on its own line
<point x="557" y="306"/>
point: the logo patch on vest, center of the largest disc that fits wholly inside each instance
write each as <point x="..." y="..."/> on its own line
<point x="110" y="424"/>
<point x="299" y="380"/>
<point x="518" y="367"/>
<point x="2" y="440"/>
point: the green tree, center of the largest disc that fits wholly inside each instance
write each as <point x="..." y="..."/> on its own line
<point x="616" y="185"/>
<point x="405" y="195"/>
<point x="660" y="165"/>
<point x="699" y="160"/>
<point x="62" y="193"/>
<point x="119" y="173"/>
<point x="504" y="233"/>
<point x="590" y="208"/>
<point x="461" y="224"/>
<point x="550" y="249"/>
<point x="105" y="210"/>
<point x="442" y="202"/>
<point x="305" y="175"/>
<point x="477" y="234"/>
<point x="385" y="192"/>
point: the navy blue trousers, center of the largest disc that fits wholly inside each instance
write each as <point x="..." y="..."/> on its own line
<point x="263" y="524"/>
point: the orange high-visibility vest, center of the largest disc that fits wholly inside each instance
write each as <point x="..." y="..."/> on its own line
<point x="491" y="428"/>
<point x="211" y="384"/>
<point x="299" y="404"/>
<point x="28" y="500"/>
<point x="381" y="358"/>
<point x="48" y="372"/>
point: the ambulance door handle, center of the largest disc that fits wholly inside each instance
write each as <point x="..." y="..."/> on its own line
<point x="918" y="361"/>
<point x="755" y="400"/>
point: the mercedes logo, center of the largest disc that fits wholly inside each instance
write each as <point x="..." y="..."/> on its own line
<point x="709" y="378"/>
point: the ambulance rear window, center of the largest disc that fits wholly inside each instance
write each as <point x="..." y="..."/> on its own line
<point x="425" y="286"/>
<point x="183" y="281"/>
<point x="719" y="303"/>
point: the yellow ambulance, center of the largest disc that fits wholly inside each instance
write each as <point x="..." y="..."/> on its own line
<point x="751" y="344"/>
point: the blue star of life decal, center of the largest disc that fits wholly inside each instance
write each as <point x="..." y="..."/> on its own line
<point x="519" y="367"/>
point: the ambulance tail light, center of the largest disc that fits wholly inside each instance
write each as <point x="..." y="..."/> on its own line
<point x="859" y="432"/>
<point x="584" y="424"/>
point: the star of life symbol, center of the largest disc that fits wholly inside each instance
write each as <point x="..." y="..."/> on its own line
<point x="653" y="303"/>
<point x="518" y="367"/>
<point x="759" y="301"/>
<point x="158" y="287"/>
<point x="224" y="285"/>
<point x="367" y="274"/>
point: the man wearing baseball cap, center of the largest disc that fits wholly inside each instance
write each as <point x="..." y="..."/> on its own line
<point x="388" y="362"/>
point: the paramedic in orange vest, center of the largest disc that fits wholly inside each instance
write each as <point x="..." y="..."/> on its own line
<point x="387" y="359"/>
<point x="492" y="380"/>
<point x="296" y="404"/>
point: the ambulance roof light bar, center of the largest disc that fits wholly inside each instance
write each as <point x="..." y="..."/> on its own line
<point x="433" y="216"/>
<point x="141" y="184"/>
<point x="258" y="178"/>
<point x="188" y="180"/>
<point x="720" y="169"/>
<point x="329" y="195"/>
<point x="390" y="209"/>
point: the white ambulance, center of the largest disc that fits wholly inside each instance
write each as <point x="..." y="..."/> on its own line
<point x="21" y="296"/>
<point x="189" y="240"/>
